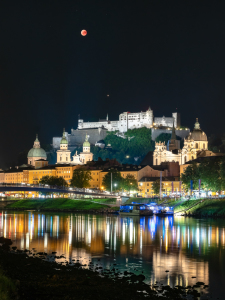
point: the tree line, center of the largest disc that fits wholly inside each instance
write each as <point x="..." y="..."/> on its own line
<point x="210" y="171"/>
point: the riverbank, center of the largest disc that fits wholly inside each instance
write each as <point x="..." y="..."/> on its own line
<point x="202" y="208"/>
<point x="39" y="276"/>
<point x="63" y="205"/>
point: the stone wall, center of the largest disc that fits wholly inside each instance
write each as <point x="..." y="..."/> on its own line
<point x="181" y="133"/>
<point x="77" y="137"/>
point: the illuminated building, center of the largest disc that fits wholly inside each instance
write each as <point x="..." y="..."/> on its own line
<point x="85" y="156"/>
<point x="169" y="185"/>
<point x="129" y="120"/>
<point x="63" y="154"/>
<point x="36" y="153"/>
<point x="196" y="144"/>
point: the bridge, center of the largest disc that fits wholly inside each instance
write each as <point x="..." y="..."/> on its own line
<point x="11" y="187"/>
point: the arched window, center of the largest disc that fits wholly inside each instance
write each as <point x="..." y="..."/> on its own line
<point x="204" y="146"/>
<point x="185" y="159"/>
<point x="66" y="158"/>
<point x="30" y="162"/>
<point x="156" y="161"/>
<point x="196" y="145"/>
<point x="60" y="158"/>
<point x="192" y="157"/>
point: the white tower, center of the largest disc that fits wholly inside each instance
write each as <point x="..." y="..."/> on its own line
<point x="63" y="155"/>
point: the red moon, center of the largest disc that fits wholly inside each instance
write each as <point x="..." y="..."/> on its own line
<point x="83" y="32"/>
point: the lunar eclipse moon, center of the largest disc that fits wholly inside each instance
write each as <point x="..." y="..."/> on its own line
<point x="83" y="32"/>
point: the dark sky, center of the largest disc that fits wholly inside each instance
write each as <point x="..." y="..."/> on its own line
<point x="162" y="54"/>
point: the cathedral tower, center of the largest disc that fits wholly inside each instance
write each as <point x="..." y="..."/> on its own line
<point x="63" y="155"/>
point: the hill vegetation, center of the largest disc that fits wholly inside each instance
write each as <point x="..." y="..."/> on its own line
<point x="131" y="149"/>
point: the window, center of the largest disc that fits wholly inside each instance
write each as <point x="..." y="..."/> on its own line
<point x="66" y="158"/>
<point x="147" y="184"/>
<point x="196" y="145"/>
<point x="60" y="158"/>
<point x="185" y="159"/>
<point x="147" y="190"/>
<point x="192" y="157"/>
<point x="156" y="161"/>
<point x="204" y="146"/>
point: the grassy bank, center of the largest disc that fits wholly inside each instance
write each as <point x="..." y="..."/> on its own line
<point x="59" y="204"/>
<point x="207" y="208"/>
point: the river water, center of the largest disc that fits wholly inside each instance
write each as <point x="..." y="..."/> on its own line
<point x="186" y="247"/>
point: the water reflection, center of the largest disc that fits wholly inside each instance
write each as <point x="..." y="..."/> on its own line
<point x="181" y="245"/>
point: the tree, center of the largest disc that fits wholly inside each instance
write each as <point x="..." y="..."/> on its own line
<point x="81" y="178"/>
<point x="209" y="173"/>
<point x="130" y="183"/>
<point x="156" y="187"/>
<point x="191" y="173"/>
<point x="53" y="180"/>
<point x="117" y="180"/>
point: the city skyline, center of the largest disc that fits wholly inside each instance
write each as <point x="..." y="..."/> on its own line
<point x="169" y="56"/>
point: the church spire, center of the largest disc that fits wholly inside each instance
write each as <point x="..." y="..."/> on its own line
<point x="173" y="135"/>
<point x="64" y="140"/>
<point x="36" y="142"/>
<point x="197" y="125"/>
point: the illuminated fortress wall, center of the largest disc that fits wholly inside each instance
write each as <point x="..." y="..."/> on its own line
<point x="129" y="120"/>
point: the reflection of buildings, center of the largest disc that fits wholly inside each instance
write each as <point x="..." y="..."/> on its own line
<point x="159" y="243"/>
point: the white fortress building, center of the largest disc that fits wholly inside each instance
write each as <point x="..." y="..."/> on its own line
<point x="129" y="120"/>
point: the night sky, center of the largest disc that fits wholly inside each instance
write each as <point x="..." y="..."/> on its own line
<point x="162" y="54"/>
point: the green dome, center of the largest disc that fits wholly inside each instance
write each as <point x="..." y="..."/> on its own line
<point x="86" y="144"/>
<point x="37" y="152"/>
<point x="64" y="141"/>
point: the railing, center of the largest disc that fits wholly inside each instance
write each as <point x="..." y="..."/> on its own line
<point x="46" y="186"/>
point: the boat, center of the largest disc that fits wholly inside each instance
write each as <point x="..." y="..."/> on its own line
<point x="163" y="211"/>
<point x="135" y="210"/>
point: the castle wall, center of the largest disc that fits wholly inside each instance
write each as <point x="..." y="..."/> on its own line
<point x="129" y="120"/>
<point x="181" y="133"/>
<point x="88" y="125"/>
<point x="77" y="137"/>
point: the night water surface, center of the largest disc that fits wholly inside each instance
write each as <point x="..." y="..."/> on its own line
<point x="186" y="247"/>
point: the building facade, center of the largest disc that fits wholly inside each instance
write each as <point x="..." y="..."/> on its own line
<point x="85" y="156"/>
<point x="194" y="144"/>
<point x="63" y="154"/>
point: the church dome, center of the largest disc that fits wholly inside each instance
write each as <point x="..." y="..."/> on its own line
<point x="37" y="152"/>
<point x="86" y="144"/>
<point x="197" y="134"/>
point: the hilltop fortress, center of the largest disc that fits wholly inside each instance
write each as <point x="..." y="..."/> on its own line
<point x="129" y="120"/>
<point x="98" y="130"/>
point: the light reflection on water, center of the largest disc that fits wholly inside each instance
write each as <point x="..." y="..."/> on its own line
<point x="184" y="246"/>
